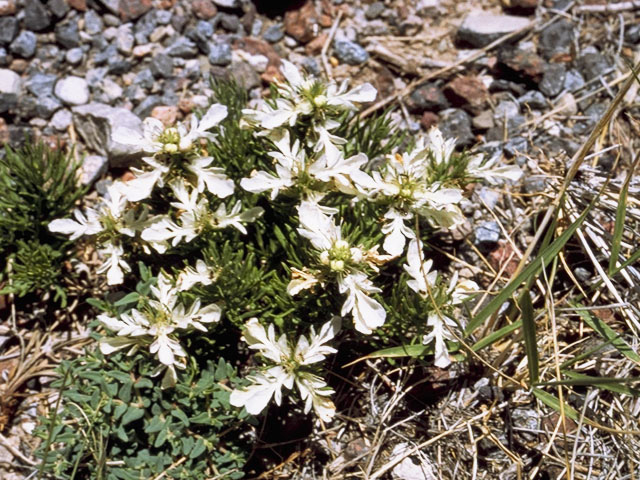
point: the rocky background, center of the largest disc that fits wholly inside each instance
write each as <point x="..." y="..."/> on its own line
<point x="71" y="70"/>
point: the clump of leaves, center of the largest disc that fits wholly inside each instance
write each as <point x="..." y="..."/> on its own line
<point x="37" y="184"/>
<point x="116" y="423"/>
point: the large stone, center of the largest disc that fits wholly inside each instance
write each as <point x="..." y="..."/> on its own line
<point x="24" y="45"/>
<point x="8" y="29"/>
<point x="96" y="123"/>
<point x="10" y="85"/>
<point x="67" y="34"/>
<point x="429" y="97"/>
<point x="468" y="92"/>
<point x="301" y="23"/>
<point x="480" y="29"/>
<point x="553" y="79"/>
<point x="350" y="52"/>
<point x="41" y="84"/>
<point x="556" y="39"/>
<point x="132" y="9"/>
<point x="456" y="123"/>
<point x="72" y="90"/>
<point x="593" y="64"/>
<point x="36" y="16"/>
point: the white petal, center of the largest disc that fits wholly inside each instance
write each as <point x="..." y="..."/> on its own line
<point x="213" y="117"/>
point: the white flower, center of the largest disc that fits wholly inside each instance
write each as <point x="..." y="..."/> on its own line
<point x="367" y="313"/>
<point x="150" y="141"/>
<point x="202" y="273"/>
<point x="486" y="169"/>
<point x="114" y="264"/>
<point x="461" y="291"/>
<point x="396" y="231"/>
<point x="82" y="225"/>
<point x="438" y="335"/>
<point x="419" y="271"/>
<point x="301" y="280"/>
<point x="291" y="367"/>
<point x="142" y="185"/>
<point x="156" y="326"/>
<point x="236" y="218"/>
<point x="214" y="115"/>
<point x="212" y="177"/>
<point x="440" y="148"/>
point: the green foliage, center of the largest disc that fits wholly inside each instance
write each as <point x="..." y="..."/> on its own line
<point x="37" y="185"/>
<point x="116" y="423"/>
<point x="36" y="267"/>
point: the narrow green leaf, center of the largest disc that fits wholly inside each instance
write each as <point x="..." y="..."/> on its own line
<point x="127" y="299"/>
<point x="529" y="335"/>
<point x="495" y="336"/>
<point x="607" y="333"/>
<point x="553" y="402"/>
<point x="614" y="384"/>
<point x="418" y="350"/>
<point x="621" y="212"/>
<point x="543" y="259"/>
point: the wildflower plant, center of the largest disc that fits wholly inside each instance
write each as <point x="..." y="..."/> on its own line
<point x="266" y="219"/>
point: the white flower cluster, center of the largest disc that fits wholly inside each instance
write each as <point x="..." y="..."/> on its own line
<point x="309" y="162"/>
<point x="176" y="163"/>
<point x="288" y="365"/>
<point x="156" y="325"/>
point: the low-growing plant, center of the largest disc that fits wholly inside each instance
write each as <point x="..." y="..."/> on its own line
<point x="292" y="221"/>
<point x="37" y="185"/>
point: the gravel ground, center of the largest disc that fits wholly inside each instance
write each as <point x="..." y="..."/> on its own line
<point x="527" y="78"/>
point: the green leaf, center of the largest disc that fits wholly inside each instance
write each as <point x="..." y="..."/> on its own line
<point x="495" y="336"/>
<point x="417" y="350"/>
<point x="530" y="271"/>
<point x="552" y="401"/>
<point x="155" y="425"/>
<point x="161" y="438"/>
<point x="201" y="418"/>
<point x="529" y="334"/>
<point x="614" y="384"/>
<point x="128" y="299"/>
<point x="606" y="332"/>
<point x="180" y="415"/>
<point x="133" y="414"/>
<point x="198" y="449"/>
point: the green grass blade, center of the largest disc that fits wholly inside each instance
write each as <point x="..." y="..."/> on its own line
<point x="621" y="213"/>
<point x="614" y="384"/>
<point x="553" y="402"/>
<point x="529" y="334"/>
<point x="495" y="336"/>
<point x="607" y="333"/>
<point x="543" y="259"/>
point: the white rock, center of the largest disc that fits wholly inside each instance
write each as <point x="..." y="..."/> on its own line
<point x="227" y="3"/>
<point x="407" y="469"/>
<point x="61" y="120"/>
<point x="72" y="90"/>
<point x="480" y="29"/>
<point x="10" y="82"/>
<point x="93" y="166"/>
<point x="112" y="90"/>
<point x="568" y="104"/>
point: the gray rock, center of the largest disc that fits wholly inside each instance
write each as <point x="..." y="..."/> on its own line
<point x="556" y="38"/>
<point x="161" y="65"/>
<point x="111" y="5"/>
<point x="59" y="8"/>
<point x="103" y="57"/>
<point x="125" y="39"/>
<point x="36" y="16"/>
<point x="95" y="75"/>
<point x="74" y="56"/>
<point x="72" y="90"/>
<point x="583" y="274"/>
<point x="456" y="123"/>
<point x="429" y="97"/>
<point x="47" y="106"/>
<point x="632" y="34"/>
<point x="256" y="27"/>
<point x="228" y="22"/>
<point x="10" y="86"/>
<point x="201" y="34"/>
<point x="245" y="75"/>
<point x="111" y="90"/>
<point x="593" y="65"/>
<point x="526" y="422"/>
<point x="350" y="52"/>
<point x="311" y="66"/>
<point x="92" y="22"/>
<point x="374" y="10"/>
<point x="534" y="183"/>
<point x="274" y="34"/>
<point x="8" y="29"/>
<point x="145" y="26"/>
<point x="552" y="82"/>
<point x="219" y="53"/>
<point x="118" y="65"/>
<point x="534" y="99"/>
<point x="4" y="57"/>
<point x="144" y="78"/>
<point x="135" y="93"/>
<point x="488" y="196"/>
<point x="508" y="111"/>
<point x="67" y="34"/>
<point x="24" y="45"/>
<point x="163" y="17"/>
<point x="486" y="235"/>
<point x="96" y="122"/>
<point x="26" y="108"/>
<point x="515" y="146"/>
<point x="182" y="47"/>
<point x="480" y="29"/>
<point x="93" y="167"/>
<point x="573" y="80"/>
<point x="41" y="84"/>
<point x="192" y="69"/>
<point x="147" y="105"/>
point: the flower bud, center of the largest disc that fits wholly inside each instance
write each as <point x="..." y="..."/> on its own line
<point x="324" y="257"/>
<point x="337" y="265"/>
<point x="170" y="147"/>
